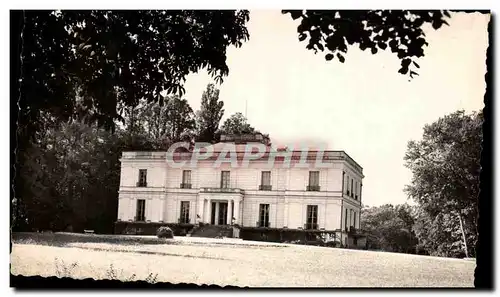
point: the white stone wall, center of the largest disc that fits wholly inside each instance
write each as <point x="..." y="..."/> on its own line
<point x="288" y="199"/>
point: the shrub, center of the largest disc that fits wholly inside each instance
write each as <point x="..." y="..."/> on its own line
<point x="164" y="232"/>
<point x="63" y="270"/>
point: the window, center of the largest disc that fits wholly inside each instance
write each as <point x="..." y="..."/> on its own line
<point x="354" y="224"/>
<point x="352" y="187"/>
<point x="265" y="183"/>
<point x="348" y="192"/>
<point x="224" y="182"/>
<point x="263" y="215"/>
<point x="143" y="177"/>
<point x="184" y="212"/>
<point x="345" y="223"/>
<point x="186" y="179"/>
<point x="140" y="210"/>
<point x="312" y="217"/>
<point x="313" y="181"/>
<point x="356" y="193"/>
<point x="350" y="221"/>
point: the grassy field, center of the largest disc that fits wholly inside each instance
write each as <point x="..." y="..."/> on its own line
<point x="228" y="262"/>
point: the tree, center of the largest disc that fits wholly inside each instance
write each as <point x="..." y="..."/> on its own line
<point x="237" y="124"/>
<point x="399" y="30"/>
<point x="446" y="165"/>
<point x="209" y="115"/>
<point x="113" y="57"/>
<point x="167" y="123"/>
<point x="438" y="235"/>
<point x="108" y="59"/>
<point x="389" y="228"/>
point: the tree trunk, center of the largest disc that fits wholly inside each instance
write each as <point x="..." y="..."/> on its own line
<point x="463" y="234"/>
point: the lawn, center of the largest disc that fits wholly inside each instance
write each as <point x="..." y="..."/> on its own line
<point x="228" y="262"/>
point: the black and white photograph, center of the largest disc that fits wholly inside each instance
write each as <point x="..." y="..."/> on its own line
<point x="250" y="148"/>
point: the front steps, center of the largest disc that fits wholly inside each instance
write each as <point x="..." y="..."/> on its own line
<point x="212" y="231"/>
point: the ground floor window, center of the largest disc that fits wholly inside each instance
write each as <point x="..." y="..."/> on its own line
<point x="354" y="218"/>
<point x="312" y="217"/>
<point x="184" y="212"/>
<point x="263" y="215"/>
<point x="140" y="210"/>
<point x="345" y="223"/>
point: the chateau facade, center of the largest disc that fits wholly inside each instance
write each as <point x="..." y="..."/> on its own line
<point x="264" y="192"/>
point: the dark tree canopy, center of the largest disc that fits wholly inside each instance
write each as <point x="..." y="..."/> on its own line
<point x="390" y="227"/>
<point x="112" y="57"/>
<point x="209" y="115"/>
<point x="446" y="166"/>
<point x="237" y="124"/>
<point x="401" y="31"/>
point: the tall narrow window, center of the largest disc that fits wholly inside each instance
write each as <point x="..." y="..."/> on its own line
<point x="345" y="223"/>
<point x="143" y="178"/>
<point x="313" y="181"/>
<point x="350" y="221"/>
<point x="343" y="182"/>
<point x="224" y="182"/>
<point x="140" y="210"/>
<point x="356" y="191"/>
<point x="263" y="215"/>
<point x="265" y="183"/>
<point x="352" y="187"/>
<point x="186" y="179"/>
<point x="184" y="218"/>
<point x="354" y="218"/>
<point x="348" y="191"/>
<point x="312" y="217"/>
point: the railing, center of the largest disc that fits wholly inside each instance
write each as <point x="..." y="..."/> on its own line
<point x="313" y="188"/>
<point x="262" y="224"/>
<point x="311" y="226"/>
<point x="265" y="187"/>
<point x="143" y="155"/>
<point x="184" y="220"/>
<point x="139" y="219"/>
<point x="185" y="186"/>
<point x="142" y="184"/>
<point x="221" y="190"/>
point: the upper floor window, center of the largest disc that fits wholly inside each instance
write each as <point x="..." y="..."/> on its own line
<point x="265" y="183"/>
<point x="140" y="212"/>
<point x="348" y="189"/>
<point x="313" y="181"/>
<point x="352" y="187"/>
<point x="186" y="179"/>
<point x="143" y="177"/>
<point x="224" y="182"/>
<point x="356" y="192"/>
<point x="312" y="217"/>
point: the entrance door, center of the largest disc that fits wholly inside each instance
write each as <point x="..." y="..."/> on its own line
<point x="222" y="213"/>
<point x="212" y="215"/>
<point x="219" y="213"/>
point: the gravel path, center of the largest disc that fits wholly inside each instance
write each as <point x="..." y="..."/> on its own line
<point x="243" y="263"/>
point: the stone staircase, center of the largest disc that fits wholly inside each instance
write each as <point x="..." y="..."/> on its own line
<point x="212" y="231"/>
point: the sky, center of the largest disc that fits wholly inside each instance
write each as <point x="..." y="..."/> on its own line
<point x="363" y="106"/>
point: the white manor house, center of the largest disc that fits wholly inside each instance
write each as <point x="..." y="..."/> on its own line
<point x="261" y="193"/>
